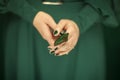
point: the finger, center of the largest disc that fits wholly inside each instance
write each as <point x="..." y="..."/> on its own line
<point x="51" y="48"/>
<point x="72" y="38"/>
<point x="68" y="46"/>
<point x="50" y="41"/>
<point x="60" y="27"/>
<point x="63" y="53"/>
<point x="71" y="30"/>
<point x="51" y="23"/>
<point x="73" y="33"/>
<point x="71" y="27"/>
<point x="54" y="48"/>
<point x="46" y="33"/>
<point x="60" y="51"/>
<point x="63" y="48"/>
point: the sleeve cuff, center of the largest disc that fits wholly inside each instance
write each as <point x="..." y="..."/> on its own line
<point x="108" y="13"/>
<point x="86" y="18"/>
<point x="22" y="9"/>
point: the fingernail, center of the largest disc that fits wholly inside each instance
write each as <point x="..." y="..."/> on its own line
<point x="56" y="54"/>
<point x="52" y="52"/>
<point x="49" y="48"/>
<point x="63" y="32"/>
<point x="56" y="48"/>
<point x="55" y="32"/>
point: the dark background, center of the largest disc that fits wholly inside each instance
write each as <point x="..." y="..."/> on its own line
<point x="112" y="39"/>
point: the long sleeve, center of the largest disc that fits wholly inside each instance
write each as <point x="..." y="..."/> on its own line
<point x="21" y="8"/>
<point x="95" y="11"/>
<point x="2" y="7"/>
<point x="116" y="7"/>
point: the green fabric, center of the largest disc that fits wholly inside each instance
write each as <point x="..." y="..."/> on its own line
<point x="27" y="11"/>
<point x="86" y="18"/>
<point x="106" y="7"/>
<point x="96" y="13"/>
<point x="25" y="52"/>
<point x="113" y="49"/>
<point x="21" y="8"/>
<point x="116" y="4"/>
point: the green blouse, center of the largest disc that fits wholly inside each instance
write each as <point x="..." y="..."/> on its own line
<point x="26" y="55"/>
<point x="97" y="11"/>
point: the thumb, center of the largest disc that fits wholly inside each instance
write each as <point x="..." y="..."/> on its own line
<point x="60" y="27"/>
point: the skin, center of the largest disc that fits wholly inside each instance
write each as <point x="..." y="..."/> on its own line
<point x="43" y="22"/>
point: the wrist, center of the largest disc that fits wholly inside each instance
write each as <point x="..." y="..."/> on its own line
<point x="36" y="19"/>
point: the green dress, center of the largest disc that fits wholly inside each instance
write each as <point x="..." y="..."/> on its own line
<point x="25" y="52"/>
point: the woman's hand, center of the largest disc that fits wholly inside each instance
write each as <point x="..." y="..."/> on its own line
<point x="44" y="23"/>
<point x="70" y="27"/>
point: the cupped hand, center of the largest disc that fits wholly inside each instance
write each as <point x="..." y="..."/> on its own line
<point x="70" y="27"/>
<point x="44" y="23"/>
